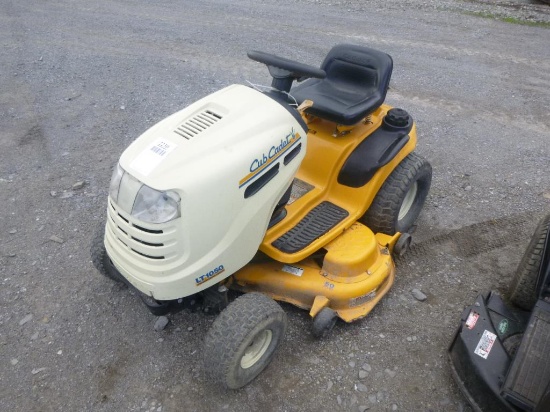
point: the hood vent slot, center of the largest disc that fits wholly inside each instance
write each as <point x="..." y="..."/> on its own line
<point x="197" y="124"/>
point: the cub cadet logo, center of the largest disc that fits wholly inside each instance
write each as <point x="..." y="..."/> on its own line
<point x="272" y="154"/>
<point x="207" y="276"/>
<point x="275" y="151"/>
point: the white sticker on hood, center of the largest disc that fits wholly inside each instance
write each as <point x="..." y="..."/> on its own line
<point x="151" y="157"/>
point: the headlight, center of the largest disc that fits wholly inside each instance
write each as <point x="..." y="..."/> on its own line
<point x="141" y="201"/>
<point x="115" y="182"/>
<point x="156" y="207"/>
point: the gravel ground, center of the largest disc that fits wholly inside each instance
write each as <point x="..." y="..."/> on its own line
<point x="520" y="11"/>
<point x="79" y="81"/>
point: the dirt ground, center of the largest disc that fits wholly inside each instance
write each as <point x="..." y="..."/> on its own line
<point x="80" y="80"/>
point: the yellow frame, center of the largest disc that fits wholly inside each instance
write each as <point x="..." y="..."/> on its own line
<point x="326" y="155"/>
<point x="357" y="269"/>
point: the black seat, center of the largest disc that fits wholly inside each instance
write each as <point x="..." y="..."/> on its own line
<point x="356" y="84"/>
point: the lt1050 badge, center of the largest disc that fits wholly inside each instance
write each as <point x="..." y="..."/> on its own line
<point x="207" y="276"/>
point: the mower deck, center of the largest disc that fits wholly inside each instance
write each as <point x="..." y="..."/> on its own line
<point x="351" y="277"/>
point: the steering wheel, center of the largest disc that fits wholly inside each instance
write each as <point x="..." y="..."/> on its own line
<point x="285" y="71"/>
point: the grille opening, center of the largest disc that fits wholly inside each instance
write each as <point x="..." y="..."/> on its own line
<point x="147" y="243"/>
<point x="187" y="135"/>
<point x="148" y="256"/>
<point x="293" y="153"/>
<point x="261" y="182"/>
<point x="198" y="123"/>
<point x="217" y="116"/>
<point x="191" y="128"/>
<point x="158" y="232"/>
<point x="120" y="240"/>
<point x="123" y="218"/>
<point x="122" y="230"/>
<point x="204" y="120"/>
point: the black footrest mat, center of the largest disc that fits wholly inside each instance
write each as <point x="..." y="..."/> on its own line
<point x="315" y="224"/>
<point x="529" y="373"/>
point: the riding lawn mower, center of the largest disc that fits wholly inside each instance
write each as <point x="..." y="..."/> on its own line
<point x="293" y="194"/>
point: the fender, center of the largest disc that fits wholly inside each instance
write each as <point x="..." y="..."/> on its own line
<point x="374" y="152"/>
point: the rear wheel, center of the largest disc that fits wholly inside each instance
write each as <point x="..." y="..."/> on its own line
<point x="523" y="289"/>
<point x="100" y="259"/>
<point x="243" y="340"/>
<point x="400" y="199"/>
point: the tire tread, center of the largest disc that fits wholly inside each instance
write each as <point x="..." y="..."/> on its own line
<point x="383" y="212"/>
<point x="522" y="291"/>
<point x="231" y="328"/>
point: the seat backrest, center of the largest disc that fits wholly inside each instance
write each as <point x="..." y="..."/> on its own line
<point x="359" y="69"/>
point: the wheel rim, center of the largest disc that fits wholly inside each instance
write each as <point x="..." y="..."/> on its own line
<point x="408" y="201"/>
<point x="256" y="349"/>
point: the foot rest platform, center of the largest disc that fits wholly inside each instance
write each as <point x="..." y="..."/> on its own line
<point x="315" y="224"/>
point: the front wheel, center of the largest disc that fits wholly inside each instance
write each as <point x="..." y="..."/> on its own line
<point x="243" y="340"/>
<point x="400" y="199"/>
<point x="100" y="259"/>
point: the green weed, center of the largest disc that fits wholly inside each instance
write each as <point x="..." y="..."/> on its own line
<point x="511" y="20"/>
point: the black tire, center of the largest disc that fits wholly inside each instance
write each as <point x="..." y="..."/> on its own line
<point x="523" y="288"/>
<point x="242" y="340"/>
<point x="100" y="259"/>
<point x="402" y="245"/>
<point x="324" y="322"/>
<point x="400" y="199"/>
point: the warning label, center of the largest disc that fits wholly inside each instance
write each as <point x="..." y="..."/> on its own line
<point x="299" y="188"/>
<point x="472" y="319"/>
<point x="485" y="344"/>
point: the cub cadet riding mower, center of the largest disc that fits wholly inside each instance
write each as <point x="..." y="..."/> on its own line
<point x="297" y="195"/>
<point x="500" y="353"/>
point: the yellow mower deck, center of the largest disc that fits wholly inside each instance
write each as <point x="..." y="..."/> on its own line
<point x="357" y="271"/>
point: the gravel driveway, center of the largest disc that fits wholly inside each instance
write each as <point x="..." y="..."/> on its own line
<point x="80" y="80"/>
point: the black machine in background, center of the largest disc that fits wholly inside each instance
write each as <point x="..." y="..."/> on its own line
<point x="500" y="354"/>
